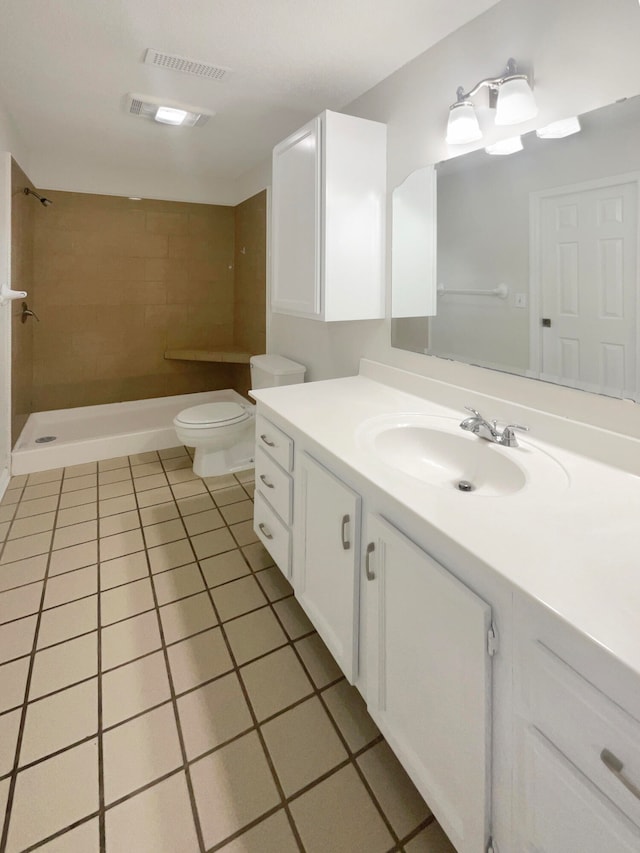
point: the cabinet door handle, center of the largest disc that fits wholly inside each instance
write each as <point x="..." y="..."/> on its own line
<point x="371" y="575"/>
<point x="343" y="533"/>
<point x="265" y="531"/>
<point x="264" y="438"/>
<point x="266" y="482"/>
<point x="613" y="763"/>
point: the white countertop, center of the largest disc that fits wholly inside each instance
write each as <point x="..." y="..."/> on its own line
<point x="574" y="549"/>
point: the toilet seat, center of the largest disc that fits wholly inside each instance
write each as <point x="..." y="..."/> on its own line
<point x="212" y="415"/>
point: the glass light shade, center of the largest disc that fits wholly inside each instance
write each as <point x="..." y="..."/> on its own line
<point x="505" y="146"/>
<point x="170" y="115"/>
<point x="515" y="102"/>
<point x="559" y="129"/>
<point x="463" y="126"/>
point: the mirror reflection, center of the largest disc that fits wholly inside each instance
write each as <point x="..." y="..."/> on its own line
<point x="537" y="267"/>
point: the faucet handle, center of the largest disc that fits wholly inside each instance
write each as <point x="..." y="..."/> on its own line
<point x="508" y="439"/>
<point x="473" y="411"/>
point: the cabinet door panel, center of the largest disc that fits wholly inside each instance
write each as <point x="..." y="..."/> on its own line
<point x="326" y="579"/>
<point x="429" y="680"/>
<point x="560" y="811"/>
<point x="296" y="222"/>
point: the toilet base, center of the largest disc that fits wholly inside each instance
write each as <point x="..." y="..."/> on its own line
<point x="213" y="463"/>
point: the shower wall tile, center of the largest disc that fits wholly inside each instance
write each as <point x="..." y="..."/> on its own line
<point x="117" y="282"/>
<point x="250" y="268"/>
<point x="121" y="282"/>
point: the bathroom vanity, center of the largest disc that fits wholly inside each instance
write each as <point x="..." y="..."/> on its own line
<point x="493" y="633"/>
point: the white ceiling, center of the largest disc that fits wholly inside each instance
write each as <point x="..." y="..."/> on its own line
<point x="66" y="66"/>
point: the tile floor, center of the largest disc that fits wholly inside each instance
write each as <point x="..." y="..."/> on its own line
<point x="160" y="688"/>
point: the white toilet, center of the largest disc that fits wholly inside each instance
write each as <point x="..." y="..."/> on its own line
<point x="223" y="434"/>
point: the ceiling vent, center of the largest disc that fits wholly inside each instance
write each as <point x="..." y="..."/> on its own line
<point x="188" y="66"/>
<point x="167" y="112"/>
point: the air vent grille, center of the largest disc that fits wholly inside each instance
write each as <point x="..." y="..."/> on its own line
<point x="173" y="62"/>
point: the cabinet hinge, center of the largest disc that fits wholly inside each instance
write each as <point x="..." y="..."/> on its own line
<point x="493" y="643"/>
<point x="492" y="847"/>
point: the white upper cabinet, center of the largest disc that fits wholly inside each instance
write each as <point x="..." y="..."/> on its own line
<point x="328" y="219"/>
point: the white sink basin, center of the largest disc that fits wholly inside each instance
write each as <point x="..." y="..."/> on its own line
<point x="434" y="450"/>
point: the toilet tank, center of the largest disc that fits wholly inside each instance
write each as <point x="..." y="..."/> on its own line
<point x="268" y="371"/>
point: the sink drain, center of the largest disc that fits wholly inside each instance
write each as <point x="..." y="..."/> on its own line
<point x="465" y="486"/>
<point x="45" y="439"/>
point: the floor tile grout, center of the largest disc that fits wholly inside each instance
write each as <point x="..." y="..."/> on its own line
<point x="32" y="657"/>
<point x="174" y="703"/>
<point x="270" y="603"/>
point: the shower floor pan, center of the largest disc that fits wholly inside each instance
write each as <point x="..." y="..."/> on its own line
<point x="91" y="433"/>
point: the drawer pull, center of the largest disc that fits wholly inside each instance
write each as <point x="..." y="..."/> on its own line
<point x="265" y="531"/>
<point x="371" y="575"/>
<point x="266" y="482"/>
<point x="264" y="438"/>
<point x="343" y="533"/>
<point x="613" y="763"/>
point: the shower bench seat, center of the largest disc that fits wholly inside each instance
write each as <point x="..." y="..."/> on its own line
<point x="229" y="355"/>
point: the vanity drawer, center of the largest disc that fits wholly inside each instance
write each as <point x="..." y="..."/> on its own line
<point x="273" y="534"/>
<point x="591" y="730"/>
<point x="274" y="484"/>
<point x="274" y="442"/>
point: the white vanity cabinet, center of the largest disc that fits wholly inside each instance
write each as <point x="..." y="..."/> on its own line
<point x="577" y="759"/>
<point x="429" y="679"/>
<point x="273" y="500"/>
<point x="327" y="548"/>
<point x="327" y="220"/>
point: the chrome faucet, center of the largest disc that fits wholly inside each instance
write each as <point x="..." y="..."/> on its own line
<point x="490" y="431"/>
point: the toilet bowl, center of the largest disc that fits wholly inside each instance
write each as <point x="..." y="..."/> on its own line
<point x="223" y="434"/>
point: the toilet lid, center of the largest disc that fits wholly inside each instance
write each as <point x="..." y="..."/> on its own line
<point x="213" y="413"/>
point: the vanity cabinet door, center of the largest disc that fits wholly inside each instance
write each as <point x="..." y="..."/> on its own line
<point x="429" y="679"/>
<point x="295" y="218"/>
<point x="560" y="811"/>
<point x="326" y="573"/>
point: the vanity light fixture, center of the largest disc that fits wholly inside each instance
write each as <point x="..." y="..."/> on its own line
<point x="505" y="146"/>
<point x="510" y="95"/>
<point x="559" y="129"/>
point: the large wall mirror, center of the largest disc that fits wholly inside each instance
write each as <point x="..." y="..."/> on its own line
<point x="537" y="258"/>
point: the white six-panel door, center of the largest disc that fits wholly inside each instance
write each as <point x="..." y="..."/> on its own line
<point x="588" y="266"/>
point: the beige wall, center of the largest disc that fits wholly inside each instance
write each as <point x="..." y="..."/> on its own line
<point x="119" y="282"/>
<point x="23" y="210"/>
<point x="250" y="281"/>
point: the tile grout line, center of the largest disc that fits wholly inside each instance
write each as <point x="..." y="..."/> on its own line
<point x="102" y="825"/>
<point x="174" y="701"/>
<point x="316" y="691"/>
<point x="34" y="649"/>
<point x="249" y="704"/>
<point x="143" y="613"/>
<point x="350" y="754"/>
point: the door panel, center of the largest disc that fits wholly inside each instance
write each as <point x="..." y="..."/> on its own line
<point x="560" y="811"/>
<point x="295" y="201"/>
<point x="429" y="680"/>
<point x="326" y="579"/>
<point x="589" y="288"/>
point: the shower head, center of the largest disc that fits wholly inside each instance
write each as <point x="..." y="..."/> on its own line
<point x="45" y="202"/>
